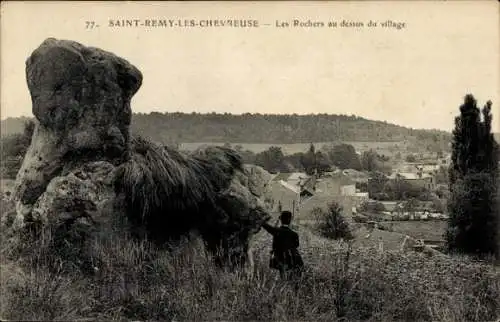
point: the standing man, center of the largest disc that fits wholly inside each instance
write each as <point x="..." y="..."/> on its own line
<point x="285" y="255"/>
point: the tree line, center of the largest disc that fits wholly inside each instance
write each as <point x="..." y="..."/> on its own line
<point x="327" y="158"/>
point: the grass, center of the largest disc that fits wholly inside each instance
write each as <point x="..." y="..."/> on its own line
<point x="6" y="185"/>
<point x="431" y="229"/>
<point x="134" y="280"/>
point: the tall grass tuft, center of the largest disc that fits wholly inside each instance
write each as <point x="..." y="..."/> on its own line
<point x="169" y="192"/>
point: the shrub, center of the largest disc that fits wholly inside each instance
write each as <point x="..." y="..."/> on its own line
<point x="359" y="218"/>
<point x="372" y="206"/>
<point x="332" y="224"/>
<point x="385" y="226"/>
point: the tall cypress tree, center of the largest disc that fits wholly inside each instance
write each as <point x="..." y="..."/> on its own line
<point x="473" y="207"/>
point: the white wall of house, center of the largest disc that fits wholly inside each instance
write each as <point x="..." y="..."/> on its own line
<point x="348" y="190"/>
<point x="329" y="185"/>
<point x="283" y="195"/>
<point x="362" y="195"/>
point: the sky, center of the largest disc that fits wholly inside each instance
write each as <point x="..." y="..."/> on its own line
<point x="415" y="77"/>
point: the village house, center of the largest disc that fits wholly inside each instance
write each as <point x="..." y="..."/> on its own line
<point x="429" y="167"/>
<point x="290" y="189"/>
<point x="421" y="211"/>
<point x="348" y="190"/>
<point x="300" y="193"/>
<point x="419" y="179"/>
<point x="293" y="178"/>
<point x="356" y="176"/>
<point x="354" y="194"/>
<point x="446" y="161"/>
<point x="286" y="190"/>
<point x="333" y="183"/>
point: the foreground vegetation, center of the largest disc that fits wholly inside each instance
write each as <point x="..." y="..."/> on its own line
<point x="420" y="229"/>
<point x="128" y="279"/>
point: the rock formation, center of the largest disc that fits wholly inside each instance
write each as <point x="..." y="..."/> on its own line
<point x="83" y="164"/>
<point x="81" y="102"/>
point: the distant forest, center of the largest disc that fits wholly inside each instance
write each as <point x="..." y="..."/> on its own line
<point x="170" y="128"/>
<point x="275" y="129"/>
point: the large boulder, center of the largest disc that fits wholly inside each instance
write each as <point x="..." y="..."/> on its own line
<point x="76" y="208"/>
<point x="83" y="167"/>
<point x="245" y="209"/>
<point x="257" y="180"/>
<point x="81" y="102"/>
<point x="82" y="194"/>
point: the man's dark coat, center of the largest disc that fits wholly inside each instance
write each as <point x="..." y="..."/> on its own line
<point x="285" y="253"/>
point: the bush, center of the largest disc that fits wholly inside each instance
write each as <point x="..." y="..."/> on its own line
<point x="332" y="224"/>
<point x="372" y="207"/>
<point x="411" y="158"/>
<point x="359" y="218"/>
<point x="385" y="226"/>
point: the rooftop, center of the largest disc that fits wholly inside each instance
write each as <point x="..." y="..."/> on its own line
<point x="310" y="184"/>
<point x="290" y="187"/>
<point x="287" y="176"/>
<point x="281" y="176"/>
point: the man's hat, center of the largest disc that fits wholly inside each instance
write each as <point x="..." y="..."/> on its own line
<point x="286" y="215"/>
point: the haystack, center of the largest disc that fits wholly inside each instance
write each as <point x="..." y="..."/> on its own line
<point x="169" y="194"/>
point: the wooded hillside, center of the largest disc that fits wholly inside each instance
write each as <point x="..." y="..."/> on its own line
<point x="261" y="128"/>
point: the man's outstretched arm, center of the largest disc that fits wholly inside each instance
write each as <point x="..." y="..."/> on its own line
<point x="270" y="229"/>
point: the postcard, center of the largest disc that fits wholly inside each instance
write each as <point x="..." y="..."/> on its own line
<point x="245" y="160"/>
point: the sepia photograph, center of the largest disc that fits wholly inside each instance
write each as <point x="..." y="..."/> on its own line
<point x="250" y="161"/>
